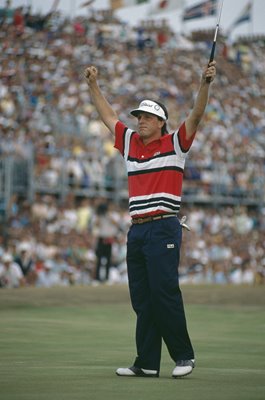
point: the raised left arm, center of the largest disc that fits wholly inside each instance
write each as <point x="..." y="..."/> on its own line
<point x="201" y="101"/>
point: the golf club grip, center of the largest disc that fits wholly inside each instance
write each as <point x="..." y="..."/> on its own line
<point x="208" y="80"/>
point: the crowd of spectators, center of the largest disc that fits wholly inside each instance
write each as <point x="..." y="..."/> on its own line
<point x="47" y="119"/>
<point x="56" y="244"/>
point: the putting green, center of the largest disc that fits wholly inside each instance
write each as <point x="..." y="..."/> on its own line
<point x="66" y="343"/>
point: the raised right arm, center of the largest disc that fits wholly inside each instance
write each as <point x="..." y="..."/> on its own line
<point x="106" y="113"/>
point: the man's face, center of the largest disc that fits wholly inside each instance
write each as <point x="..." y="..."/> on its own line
<point x="7" y="264"/>
<point x="149" y="126"/>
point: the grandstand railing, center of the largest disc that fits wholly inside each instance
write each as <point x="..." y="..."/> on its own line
<point x="15" y="178"/>
<point x="205" y="186"/>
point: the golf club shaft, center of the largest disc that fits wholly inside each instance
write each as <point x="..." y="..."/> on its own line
<point x="215" y="39"/>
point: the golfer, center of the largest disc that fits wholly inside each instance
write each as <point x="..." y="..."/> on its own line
<point x="155" y="163"/>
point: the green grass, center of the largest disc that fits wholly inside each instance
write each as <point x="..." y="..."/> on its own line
<point x="60" y="344"/>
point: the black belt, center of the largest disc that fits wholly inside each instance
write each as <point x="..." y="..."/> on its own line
<point x="151" y="218"/>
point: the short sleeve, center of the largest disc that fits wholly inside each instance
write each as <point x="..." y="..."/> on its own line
<point x="120" y="130"/>
<point x="184" y="144"/>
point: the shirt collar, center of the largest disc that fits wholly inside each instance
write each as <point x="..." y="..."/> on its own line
<point x="154" y="142"/>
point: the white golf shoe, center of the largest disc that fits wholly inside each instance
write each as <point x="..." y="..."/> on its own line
<point x="137" y="372"/>
<point x="183" y="368"/>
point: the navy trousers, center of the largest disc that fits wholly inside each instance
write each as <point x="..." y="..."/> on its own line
<point x="153" y="251"/>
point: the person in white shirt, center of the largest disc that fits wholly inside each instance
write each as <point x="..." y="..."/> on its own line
<point x="11" y="275"/>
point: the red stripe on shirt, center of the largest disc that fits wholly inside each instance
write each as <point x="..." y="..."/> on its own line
<point x="155" y="182"/>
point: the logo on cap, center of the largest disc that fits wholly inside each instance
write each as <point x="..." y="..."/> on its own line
<point x="145" y="104"/>
<point x="151" y="107"/>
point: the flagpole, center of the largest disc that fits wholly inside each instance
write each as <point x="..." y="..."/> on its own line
<point x="251" y="24"/>
<point x="182" y="30"/>
<point x="72" y="8"/>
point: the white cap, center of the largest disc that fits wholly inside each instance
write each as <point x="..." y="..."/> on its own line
<point x="48" y="264"/>
<point x="24" y="246"/>
<point x="7" y="258"/>
<point x="151" y="107"/>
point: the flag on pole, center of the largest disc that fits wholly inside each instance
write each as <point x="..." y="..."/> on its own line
<point x="87" y="3"/>
<point x="244" y="16"/>
<point x="166" y="5"/>
<point x="206" y="8"/>
<point x="54" y="6"/>
<point x="116" y="4"/>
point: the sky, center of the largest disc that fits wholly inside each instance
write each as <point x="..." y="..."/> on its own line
<point x="134" y="15"/>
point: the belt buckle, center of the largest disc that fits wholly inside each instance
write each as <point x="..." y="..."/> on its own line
<point x="139" y="220"/>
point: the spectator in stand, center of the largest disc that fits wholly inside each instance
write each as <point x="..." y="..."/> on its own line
<point x="105" y="228"/>
<point x="18" y="20"/>
<point x="84" y="215"/>
<point x="25" y="261"/>
<point x="11" y="275"/>
<point x="6" y="13"/>
<point x="47" y="276"/>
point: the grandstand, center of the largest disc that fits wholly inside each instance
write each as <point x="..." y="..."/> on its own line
<point x="54" y="147"/>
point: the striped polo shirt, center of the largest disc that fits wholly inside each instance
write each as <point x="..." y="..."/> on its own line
<point x="155" y="171"/>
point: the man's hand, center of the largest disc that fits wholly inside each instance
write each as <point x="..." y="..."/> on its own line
<point x="91" y="74"/>
<point x="209" y="73"/>
<point x="104" y="109"/>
